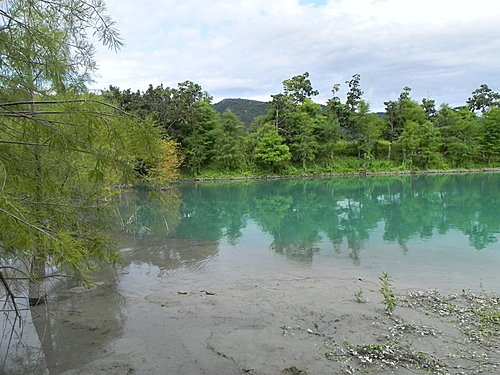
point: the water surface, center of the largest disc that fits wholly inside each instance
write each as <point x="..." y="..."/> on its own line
<point x="425" y="231"/>
<point x="441" y="231"/>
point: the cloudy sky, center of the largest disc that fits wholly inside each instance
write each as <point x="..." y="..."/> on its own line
<point x="442" y="49"/>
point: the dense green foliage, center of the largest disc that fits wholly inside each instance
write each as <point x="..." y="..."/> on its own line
<point x="297" y="136"/>
<point x="184" y="114"/>
<point x="60" y="149"/>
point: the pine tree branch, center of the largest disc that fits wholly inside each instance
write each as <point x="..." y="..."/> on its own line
<point x="37" y="102"/>
<point x="28" y="224"/>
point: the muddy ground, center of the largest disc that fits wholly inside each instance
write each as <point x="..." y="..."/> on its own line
<point x="239" y="314"/>
<point x="303" y="325"/>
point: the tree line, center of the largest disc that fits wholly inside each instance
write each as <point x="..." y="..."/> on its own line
<point x="298" y="134"/>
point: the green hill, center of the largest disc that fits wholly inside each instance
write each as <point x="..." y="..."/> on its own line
<point x="247" y="110"/>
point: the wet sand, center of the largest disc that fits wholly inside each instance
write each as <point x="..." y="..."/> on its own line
<point x="303" y="325"/>
<point x="255" y="312"/>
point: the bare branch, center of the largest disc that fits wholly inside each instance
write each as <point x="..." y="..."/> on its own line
<point x="10" y="294"/>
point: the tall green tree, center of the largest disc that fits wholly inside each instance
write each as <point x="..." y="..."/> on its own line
<point x="270" y="152"/>
<point x="299" y="88"/>
<point x="420" y="144"/>
<point x="336" y="109"/>
<point x="308" y="121"/>
<point x="284" y="106"/>
<point x="370" y="129"/>
<point x="398" y="113"/>
<point x="58" y="153"/>
<point x="280" y="113"/>
<point x="199" y="142"/>
<point x="490" y="137"/>
<point x="483" y="98"/>
<point x="346" y="112"/>
<point x="355" y="93"/>
<point x="461" y="135"/>
<point x="228" y="142"/>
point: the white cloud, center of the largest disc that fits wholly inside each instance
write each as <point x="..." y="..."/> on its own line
<point x="247" y="48"/>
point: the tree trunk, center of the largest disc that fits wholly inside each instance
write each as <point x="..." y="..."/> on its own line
<point x="36" y="290"/>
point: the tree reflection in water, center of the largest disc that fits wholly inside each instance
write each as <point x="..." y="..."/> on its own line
<point x="299" y="214"/>
<point x="72" y="330"/>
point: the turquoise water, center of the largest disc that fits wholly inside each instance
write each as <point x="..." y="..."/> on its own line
<point x="426" y="231"/>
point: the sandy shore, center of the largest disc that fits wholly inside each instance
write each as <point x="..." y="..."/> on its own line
<point x="308" y="325"/>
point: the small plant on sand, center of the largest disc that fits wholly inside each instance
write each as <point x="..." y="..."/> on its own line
<point x="396" y="356"/>
<point x="489" y="316"/>
<point x="390" y="300"/>
<point x="359" y="296"/>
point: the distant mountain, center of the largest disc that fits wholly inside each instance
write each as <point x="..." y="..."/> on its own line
<point x="247" y="110"/>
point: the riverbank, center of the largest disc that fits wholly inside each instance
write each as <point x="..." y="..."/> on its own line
<point x="304" y="325"/>
<point x="337" y="174"/>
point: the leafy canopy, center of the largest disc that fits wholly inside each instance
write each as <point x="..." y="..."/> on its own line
<point x="60" y="149"/>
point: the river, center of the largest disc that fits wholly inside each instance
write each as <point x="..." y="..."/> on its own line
<point x="199" y="245"/>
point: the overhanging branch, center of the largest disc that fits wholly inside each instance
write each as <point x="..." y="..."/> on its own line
<point x="10" y="295"/>
<point x="28" y="224"/>
<point x="40" y="102"/>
